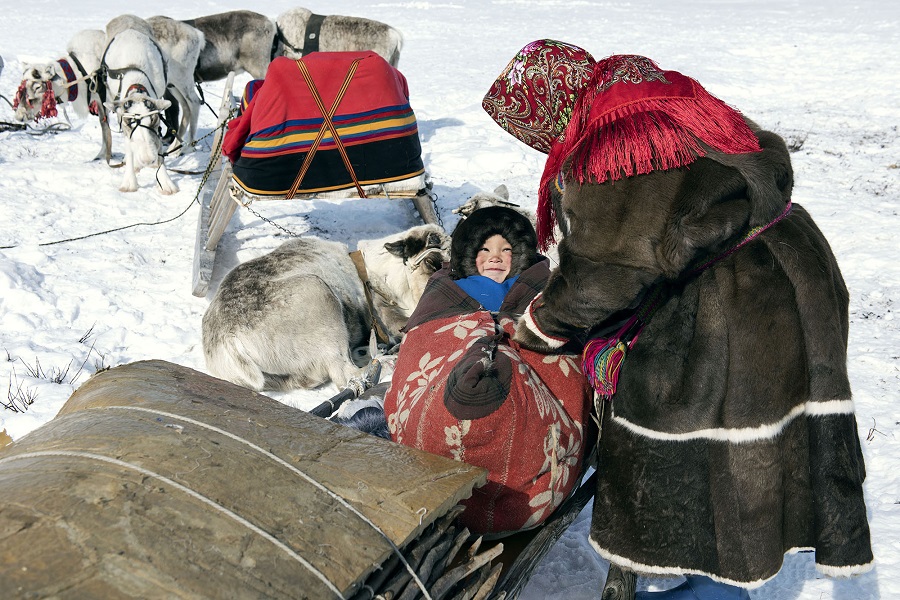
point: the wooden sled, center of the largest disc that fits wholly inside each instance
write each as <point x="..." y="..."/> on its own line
<point x="156" y="480"/>
<point x="224" y="194"/>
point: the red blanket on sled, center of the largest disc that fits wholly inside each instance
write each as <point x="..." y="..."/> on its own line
<point x="463" y="389"/>
<point x="268" y="143"/>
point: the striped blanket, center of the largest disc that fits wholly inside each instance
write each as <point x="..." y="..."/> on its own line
<point x="269" y="141"/>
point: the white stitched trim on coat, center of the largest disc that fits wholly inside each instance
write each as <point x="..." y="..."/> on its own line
<point x="643" y="569"/>
<point x="551" y="342"/>
<point x="745" y="434"/>
<point x="848" y="571"/>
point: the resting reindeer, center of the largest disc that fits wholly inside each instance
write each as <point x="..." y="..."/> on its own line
<point x="290" y="318"/>
<point x="335" y="33"/>
<point x="136" y="80"/>
<point x="72" y="80"/>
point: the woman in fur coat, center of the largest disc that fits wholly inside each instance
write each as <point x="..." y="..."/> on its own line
<point x="714" y="322"/>
<point x="463" y="389"/>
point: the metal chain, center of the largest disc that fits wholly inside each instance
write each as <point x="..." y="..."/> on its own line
<point x="213" y="153"/>
<point x="434" y="200"/>
<point x="271" y="222"/>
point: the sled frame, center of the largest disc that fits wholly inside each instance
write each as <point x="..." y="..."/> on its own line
<point x="219" y="201"/>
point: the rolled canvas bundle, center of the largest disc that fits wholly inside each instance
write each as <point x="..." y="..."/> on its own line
<point x="159" y="481"/>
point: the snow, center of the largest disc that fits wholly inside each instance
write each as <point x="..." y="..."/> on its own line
<point x="822" y="74"/>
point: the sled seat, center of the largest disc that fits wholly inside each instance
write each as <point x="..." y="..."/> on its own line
<point x="329" y="125"/>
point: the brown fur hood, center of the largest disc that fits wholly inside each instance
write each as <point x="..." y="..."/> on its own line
<point x="472" y="232"/>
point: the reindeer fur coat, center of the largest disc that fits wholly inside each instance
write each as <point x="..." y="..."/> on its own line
<point x="731" y="438"/>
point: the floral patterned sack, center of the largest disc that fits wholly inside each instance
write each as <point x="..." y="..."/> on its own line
<point x="463" y="389"/>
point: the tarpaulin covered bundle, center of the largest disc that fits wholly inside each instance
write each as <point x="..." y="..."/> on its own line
<point x="366" y="99"/>
<point x="159" y="481"/>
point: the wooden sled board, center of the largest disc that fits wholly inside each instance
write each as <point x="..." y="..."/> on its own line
<point x="159" y="481"/>
<point x="220" y="198"/>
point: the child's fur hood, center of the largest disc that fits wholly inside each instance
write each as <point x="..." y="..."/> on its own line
<point x="471" y="233"/>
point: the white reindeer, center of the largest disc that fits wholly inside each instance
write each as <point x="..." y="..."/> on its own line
<point x="290" y="318"/>
<point x="135" y="71"/>
<point x="71" y="80"/>
<point x="181" y="45"/>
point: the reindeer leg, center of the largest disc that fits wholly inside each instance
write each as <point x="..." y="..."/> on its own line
<point x="105" y="137"/>
<point x="620" y="584"/>
<point x="183" y="140"/>
<point x="129" y="177"/>
<point x="166" y="185"/>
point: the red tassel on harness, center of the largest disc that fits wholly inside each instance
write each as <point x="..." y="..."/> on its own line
<point x="21" y="97"/>
<point x="48" y="103"/>
<point x="634" y="118"/>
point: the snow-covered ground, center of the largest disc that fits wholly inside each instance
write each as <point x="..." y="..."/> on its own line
<point x="822" y="74"/>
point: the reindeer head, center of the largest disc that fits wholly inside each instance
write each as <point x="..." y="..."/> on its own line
<point x="139" y="114"/>
<point x="399" y="267"/>
<point x="36" y="97"/>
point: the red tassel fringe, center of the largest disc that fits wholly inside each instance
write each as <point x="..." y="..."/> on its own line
<point x="48" y="103"/>
<point x="21" y="97"/>
<point x="647" y="135"/>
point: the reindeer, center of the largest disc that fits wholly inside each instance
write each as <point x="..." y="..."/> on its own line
<point x="290" y="318"/>
<point x="135" y="73"/>
<point x="182" y="45"/>
<point x="70" y="80"/>
<point x="301" y="32"/>
<point x="239" y="41"/>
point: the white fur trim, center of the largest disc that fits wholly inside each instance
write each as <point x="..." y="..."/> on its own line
<point x="828" y="570"/>
<point x="643" y="569"/>
<point x="848" y="571"/>
<point x="528" y="320"/>
<point x="745" y="434"/>
<point x="830" y="407"/>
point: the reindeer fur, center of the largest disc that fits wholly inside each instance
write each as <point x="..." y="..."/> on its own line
<point x="238" y="41"/>
<point x="290" y="318"/>
<point x="339" y="34"/>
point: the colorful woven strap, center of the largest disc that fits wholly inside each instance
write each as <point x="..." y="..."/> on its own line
<point x="71" y="84"/>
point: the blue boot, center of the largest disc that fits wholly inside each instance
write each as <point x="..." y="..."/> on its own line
<point x="698" y="587"/>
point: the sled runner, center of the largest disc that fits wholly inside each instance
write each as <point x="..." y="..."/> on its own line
<point x="153" y="473"/>
<point x="329" y="125"/>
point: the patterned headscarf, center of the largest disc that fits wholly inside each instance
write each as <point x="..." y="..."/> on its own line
<point x="533" y="97"/>
<point x="633" y="118"/>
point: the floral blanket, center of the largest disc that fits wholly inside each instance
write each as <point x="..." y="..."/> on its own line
<point x="463" y="389"/>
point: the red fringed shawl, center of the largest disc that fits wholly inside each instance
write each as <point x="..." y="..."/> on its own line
<point x="633" y="118"/>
